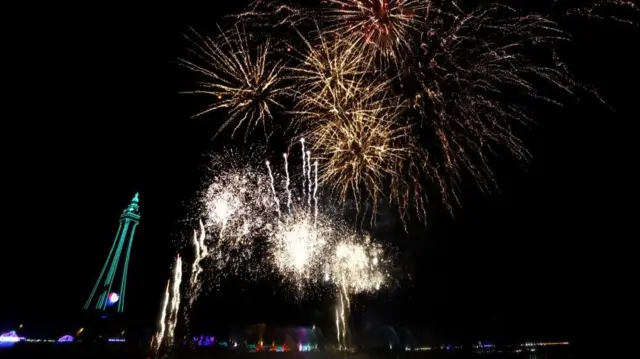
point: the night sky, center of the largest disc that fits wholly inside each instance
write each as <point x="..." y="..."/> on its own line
<point x="92" y="115"/>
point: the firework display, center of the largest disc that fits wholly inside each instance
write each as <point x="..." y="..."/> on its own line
<point x="169" y="312"/>
<point x="379" y="27"/>
<point x="247" y="209"/>
<point x="277" y="209"/>
<point x="394" y="96"/>
<point x="602" y="10"/>
<point x="238" y="207"/>
<point x="240" y="77"/>
<point x="307" y="246"/>
<point x="387" y="101"/>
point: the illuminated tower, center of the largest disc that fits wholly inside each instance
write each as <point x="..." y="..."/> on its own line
<point x="112" y="282"/>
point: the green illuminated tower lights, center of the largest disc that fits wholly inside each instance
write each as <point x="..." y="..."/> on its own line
<point x="114" y="268"/>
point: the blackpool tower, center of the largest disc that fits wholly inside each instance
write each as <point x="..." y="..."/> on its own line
<point x="109" y="290"/>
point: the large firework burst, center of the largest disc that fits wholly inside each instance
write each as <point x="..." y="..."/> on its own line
<point x="469" y="77"/>
<point x="253" y="206"/>
<point x="297" y="246"/>
<point x="466" y="82"/>
<point x="236" y="206"/>
<point x="330" y="68"/>
<point x="240" y="76"/>
<point x="358" y="264"/>
<point x="385" y="27"/>
<point x="332" y="77"/>
<point x="362" y="151"/>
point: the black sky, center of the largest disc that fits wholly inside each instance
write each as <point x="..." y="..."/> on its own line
<point x="93" y="115"/>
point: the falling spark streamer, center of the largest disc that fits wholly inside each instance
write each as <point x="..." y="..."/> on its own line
<point x="174" y="308"/>
<point x="304" y="172"/>
<point x="309" y="178"/>
<point x="315" y="192"/>
<point x="201" y="252"/>
<point x="273" y="189"/>
<point x="288" y="183"/>
<point x="158" y="339"/>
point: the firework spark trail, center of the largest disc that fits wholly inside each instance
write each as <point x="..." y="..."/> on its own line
<point x="170" y="311"/>
<point x="338" y="326"/>
<point x="201" y="252"/>
<point x="240" y="77"/>
<point x="346" y="305"/>
<point x="174" y="308"/>
<point x="309" y="178"/>
<point x="288" y="183"/>
<point x="597" y="11"/>
<point x="273" y="189"/>
<point x="299" y="239"/>
<point x="357" y="266"/>
<point x="195" y="284"/>
<point x="304" y="172"/>
<point x="342" y="314"/>
<point x="342" y="324"/>
<point x="343" y="309"/>
<point x="158" y="338"/>
<point x="272" y="14"/>
<point x="315" y="192"/>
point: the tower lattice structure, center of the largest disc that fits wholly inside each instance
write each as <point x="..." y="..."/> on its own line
<point x="109" y="290"/>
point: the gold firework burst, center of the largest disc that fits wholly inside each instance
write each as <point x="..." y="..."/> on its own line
<point x="382" y="26"/>
<point x="240" y="77"/>
<point x="330" y="75"/>
<point x="330" y="66"/>
<point x="470" y="68"/>
<point x="364" y="152"/>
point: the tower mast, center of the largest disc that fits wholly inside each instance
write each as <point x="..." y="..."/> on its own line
<point x="110" y="287"/>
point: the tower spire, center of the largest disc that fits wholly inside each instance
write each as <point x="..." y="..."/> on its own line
<point x="133" y="206"/>
<point x="108" y="294"/>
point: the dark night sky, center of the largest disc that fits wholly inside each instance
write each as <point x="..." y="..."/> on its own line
<point x="94" y="116"/>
